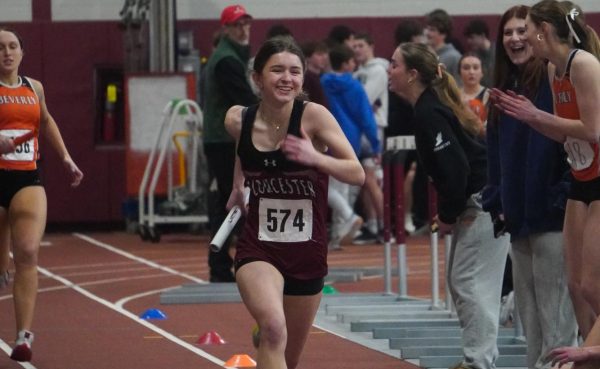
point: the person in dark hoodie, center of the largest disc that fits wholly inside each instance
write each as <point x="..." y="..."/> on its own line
<point x="527" y="190"/>
<point x="456" y="162"/>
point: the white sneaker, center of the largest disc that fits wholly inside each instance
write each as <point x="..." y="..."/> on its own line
<point x="348" y="229"/>
<point x="507" y="308"/>
<point x="22" y="350"/>
<point x="408" y="223"/>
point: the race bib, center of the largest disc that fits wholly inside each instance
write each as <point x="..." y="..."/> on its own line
<point x="282" y="220"/>
<point x="580" y="153"/>
<point x="25" y="151"/>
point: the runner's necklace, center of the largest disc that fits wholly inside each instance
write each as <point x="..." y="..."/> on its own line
<point x="274" y="125"/>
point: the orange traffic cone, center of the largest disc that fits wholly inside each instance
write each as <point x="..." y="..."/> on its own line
<point x="240" y="361"/>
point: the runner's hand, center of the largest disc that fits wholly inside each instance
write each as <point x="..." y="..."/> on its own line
<point x="6" y="145"/>
<point x="76" y="174"/>
<point x="300" y="149"/>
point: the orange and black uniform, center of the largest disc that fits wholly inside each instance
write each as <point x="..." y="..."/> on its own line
<point x="19" y="114"/>
<point x="582" y="155"/>
<point x="287" y="213"/>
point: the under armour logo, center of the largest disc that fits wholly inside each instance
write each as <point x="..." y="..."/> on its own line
<point x="270" y="162"/>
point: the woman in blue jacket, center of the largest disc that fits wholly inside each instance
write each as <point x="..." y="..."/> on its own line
<point x="526" y="194"/>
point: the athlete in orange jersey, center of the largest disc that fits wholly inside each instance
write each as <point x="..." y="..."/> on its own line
<point x="472" y="92"/>
<point x="23" y="113"/>
<point x="554" y="29"/>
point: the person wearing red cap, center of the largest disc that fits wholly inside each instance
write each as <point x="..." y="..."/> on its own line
<point x="226" y="85"/>
<point x="233" y="13"/>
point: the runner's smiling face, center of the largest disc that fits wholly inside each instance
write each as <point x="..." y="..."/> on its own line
<point x="281" y="78"/>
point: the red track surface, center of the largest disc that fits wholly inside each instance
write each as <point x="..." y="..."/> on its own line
<point x="84" y="326"/>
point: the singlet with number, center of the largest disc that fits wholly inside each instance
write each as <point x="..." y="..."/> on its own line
<point x="582" y="155"/>
<point x="19" y="114"/>
<point x="287" y="209"/>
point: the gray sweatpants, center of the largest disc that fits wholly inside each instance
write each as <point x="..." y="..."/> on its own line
<point x="475" y="271"/>
<point x="542" y="296"/>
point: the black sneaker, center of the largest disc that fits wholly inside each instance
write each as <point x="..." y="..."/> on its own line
<point x="365" y="237"/>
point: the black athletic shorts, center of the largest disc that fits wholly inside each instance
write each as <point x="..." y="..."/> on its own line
<point x="12" y="181"/>
<point x="292" y="286"/>
<point x="586" y="192"/>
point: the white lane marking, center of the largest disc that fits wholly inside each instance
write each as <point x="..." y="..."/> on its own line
<point x="92" y="283"/>
<point x="133" y="317"/>
<point x="45" y="243"/>
<point x="126" y="270"/>
<point x="125" y="300"/>
<point x="125" y="263"/>
<point x="137" y="258"/>
<point x="6" y="348"/>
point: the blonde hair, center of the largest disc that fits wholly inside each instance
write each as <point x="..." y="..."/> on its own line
<point x="432" y="74"/>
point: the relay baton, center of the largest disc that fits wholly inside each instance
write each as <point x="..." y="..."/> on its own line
<point x="24" y="138"/>
<point x="225" y="229"/>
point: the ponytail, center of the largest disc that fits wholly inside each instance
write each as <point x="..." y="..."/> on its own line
<point x="593" y="42"/>
<point x="448" y="92"/>
<point x="433" y="74"/>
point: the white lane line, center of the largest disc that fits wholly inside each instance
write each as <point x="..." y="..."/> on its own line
<point x="125" y="300"/>
<point x="126" y="270"/>
<point x="126" y="263"/>
<point x="133" y="317"/>
<point x="137" y="258"/>
<point x="6" y="348"/>
<point x="92" y="283"/>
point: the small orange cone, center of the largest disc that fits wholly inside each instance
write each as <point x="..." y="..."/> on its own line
<point x="240" y="361"/>
<point x="210" y="338"/>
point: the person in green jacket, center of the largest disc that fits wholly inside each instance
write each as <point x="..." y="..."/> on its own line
<point x="226" y="85"/>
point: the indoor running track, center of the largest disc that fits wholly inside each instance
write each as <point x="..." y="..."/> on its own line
<point x="94" y="286"/>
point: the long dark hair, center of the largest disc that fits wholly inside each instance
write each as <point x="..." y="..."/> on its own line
<point x="507" y="75"/>
<point x="422" y="59"/>
<point x="562" y="14"/>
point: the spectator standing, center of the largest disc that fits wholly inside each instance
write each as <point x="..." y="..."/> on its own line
<point x="350" y="105"/>
<point x="400" y="123"/>
<point x="456" y="163"/>
<point x="477" y="34"/>
<point x="372" y="74"/>
<point x="317" y="61"/>
<point x="438" y="31"/>
<point x="226" y="85"/>
<point x="526" y="194"/>
<point x="558" y="33"/>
